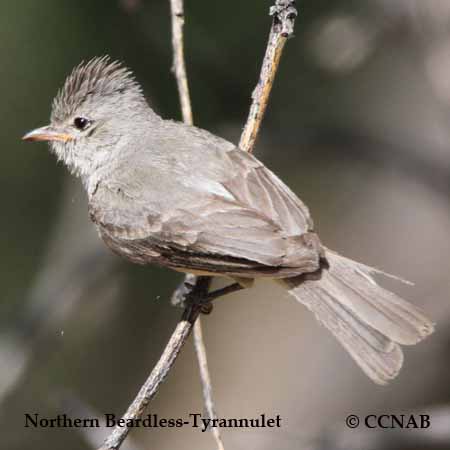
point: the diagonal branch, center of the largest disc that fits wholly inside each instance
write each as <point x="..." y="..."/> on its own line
<point x="161" y="369"/>
<point x="284" y="14"/>
<point x="151" y="386"/>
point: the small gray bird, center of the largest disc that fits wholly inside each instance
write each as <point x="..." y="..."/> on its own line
<point x="167" y="193"/>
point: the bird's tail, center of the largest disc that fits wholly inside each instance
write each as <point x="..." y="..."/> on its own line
<point x="369" y="321"/>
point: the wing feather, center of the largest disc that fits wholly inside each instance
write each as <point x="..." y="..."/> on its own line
<point x="245" y="221"/>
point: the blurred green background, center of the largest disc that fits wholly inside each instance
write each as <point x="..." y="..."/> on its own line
<point x="358" y="125"/>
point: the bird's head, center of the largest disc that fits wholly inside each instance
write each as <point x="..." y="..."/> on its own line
<point x="98" y="110"/>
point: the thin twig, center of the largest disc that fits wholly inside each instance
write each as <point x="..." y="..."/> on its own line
<point x="179" y="66"/>
<point x="284" y="15"/>
<point x="200" y="350"/>
<point x="179" y="69"/>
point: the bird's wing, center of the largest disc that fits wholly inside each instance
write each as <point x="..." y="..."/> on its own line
<point x="246" y="224"/>
<point x="254" y="185"/>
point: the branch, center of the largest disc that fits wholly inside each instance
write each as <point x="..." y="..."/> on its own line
<point x="195" y="288"/>
<point x="284" y="15"/>
<point x="160" y="371"/>
<point x="200" y="350"/>
<point x="179" y="66"/>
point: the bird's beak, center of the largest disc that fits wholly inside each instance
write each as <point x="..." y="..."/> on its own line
<point x="47" y="133"/>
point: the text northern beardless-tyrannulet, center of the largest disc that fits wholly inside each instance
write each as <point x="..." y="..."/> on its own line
<point x="167" y="193"/>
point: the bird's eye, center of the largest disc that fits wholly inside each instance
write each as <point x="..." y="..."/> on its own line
<point x="81" y="123"/>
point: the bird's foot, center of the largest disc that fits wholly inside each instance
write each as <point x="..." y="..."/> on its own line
<point x="193" y="291"/>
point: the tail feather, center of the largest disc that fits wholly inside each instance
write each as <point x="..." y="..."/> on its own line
<point x="369" y="321"/>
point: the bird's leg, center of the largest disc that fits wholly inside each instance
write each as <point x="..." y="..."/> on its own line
<point x="206" y="301"/>
<point x="194" y="290"/>
<point x="213" y="295"/>
<point x="191" y="292"/>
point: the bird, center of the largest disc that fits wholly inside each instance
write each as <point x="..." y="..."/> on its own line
<point x="166" y="193"/>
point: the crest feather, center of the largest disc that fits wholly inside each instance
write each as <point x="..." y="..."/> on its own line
<point x="98" y="77"/>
